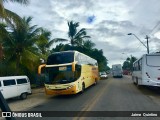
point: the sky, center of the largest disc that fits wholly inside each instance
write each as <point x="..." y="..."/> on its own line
<point x="107" y="22"/>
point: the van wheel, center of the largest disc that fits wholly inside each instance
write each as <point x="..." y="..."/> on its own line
<point x="23" y="96"/>
<point x="83" y="87"/>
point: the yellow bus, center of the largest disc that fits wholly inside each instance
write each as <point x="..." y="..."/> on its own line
<point x="69" y="72"/>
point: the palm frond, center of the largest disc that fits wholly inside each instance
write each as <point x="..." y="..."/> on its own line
<point x="27" y="20"/>
<point x="50" y="43"/>
<point x="32" y="28"/>
<point x="3" y="31"/>
<point x="86" y="36"/>
<point x="11" y="16"/>
<point x="60" y="40"/>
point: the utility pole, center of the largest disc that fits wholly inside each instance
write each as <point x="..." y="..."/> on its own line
<point x="147" y="43"/>
<point x="147" y="46"/>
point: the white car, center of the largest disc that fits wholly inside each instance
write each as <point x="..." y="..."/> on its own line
<point x="103" y="75"/>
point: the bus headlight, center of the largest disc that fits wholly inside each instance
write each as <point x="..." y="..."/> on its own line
<point x="48" y="87"/>
<point x="70" y="86"/>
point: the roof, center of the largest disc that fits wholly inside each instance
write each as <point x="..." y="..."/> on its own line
<point x="12" y="77"/>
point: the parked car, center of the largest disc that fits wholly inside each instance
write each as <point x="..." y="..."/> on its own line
<point x="103" y="75"/>
<point x="125" y="72"/>
<point x="15" y="86"/>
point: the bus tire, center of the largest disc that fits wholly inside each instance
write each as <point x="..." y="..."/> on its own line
<point x="23" y="96"/>
<point x="83" y="88"/>
<point x="95" y="82"/>
<point x="138" y="86"/>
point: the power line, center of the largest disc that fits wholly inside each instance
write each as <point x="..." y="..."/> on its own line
<point x="153" y="30"/>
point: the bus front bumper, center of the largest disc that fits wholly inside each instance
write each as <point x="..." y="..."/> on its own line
<point x="61" y="92"/>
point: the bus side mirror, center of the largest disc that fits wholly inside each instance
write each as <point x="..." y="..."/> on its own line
<point x="73" y="66"/>
<point x="40" y="70"/>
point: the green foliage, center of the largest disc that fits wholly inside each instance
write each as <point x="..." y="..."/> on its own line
<point x="128" y="64"/>
<point x="76" y="38"/>
<point x="92" y="52"/>
<point x="44" y="43"/>
<point x="23" y="47"/>
<point x="19" y="45"/>
<point x="8" y="15"/>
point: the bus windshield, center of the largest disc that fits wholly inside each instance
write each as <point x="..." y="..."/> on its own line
<point x="60" y="58"/>
<point x="59" y="75"/>
<point x="153" y="60"/>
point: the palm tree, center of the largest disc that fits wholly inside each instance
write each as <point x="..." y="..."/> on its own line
<point x="44" y="43"/>
<point x="76" y="38"/>
<point x="9" y="16"/>
<point x="19" y="45"/>
<point x="2" y="34"/>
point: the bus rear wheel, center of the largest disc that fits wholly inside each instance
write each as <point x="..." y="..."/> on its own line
<point x="138" y="86"/>
<point x="83" y="87"/>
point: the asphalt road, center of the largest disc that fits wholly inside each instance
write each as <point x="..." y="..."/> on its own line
<point x="112" y="94"/>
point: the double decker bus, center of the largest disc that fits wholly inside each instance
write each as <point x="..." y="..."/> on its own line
<point x="69" y="72"/>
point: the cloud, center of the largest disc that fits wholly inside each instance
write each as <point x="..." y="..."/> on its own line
<point x="111" y="21"/>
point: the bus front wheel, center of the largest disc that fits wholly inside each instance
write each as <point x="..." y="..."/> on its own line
<point x="95" y="82"/>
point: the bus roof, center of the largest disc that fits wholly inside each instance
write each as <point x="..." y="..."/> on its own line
<point x="12" y="77"/>
<point x="65" y="51"/>
<point x="151" y="54"/>
<point x="72" y="51"/>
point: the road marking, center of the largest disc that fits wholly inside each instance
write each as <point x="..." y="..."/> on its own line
<point x="92" y="103"/>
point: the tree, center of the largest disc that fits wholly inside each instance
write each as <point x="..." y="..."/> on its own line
<point x="9" y="17"/>
<point x="89" y="44"/>
<point x="19" y="45"/>
<point x="7" y="14"/>
<point x="76" y="38"/>
<point x="128" y="64"/>
<point x="44" y="43"/>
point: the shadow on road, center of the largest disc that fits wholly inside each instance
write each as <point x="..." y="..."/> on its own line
<point x="148" y="90"/>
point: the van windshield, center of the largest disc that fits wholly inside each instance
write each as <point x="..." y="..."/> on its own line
<point x="153" y="60"/>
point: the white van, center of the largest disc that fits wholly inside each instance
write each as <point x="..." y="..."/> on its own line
<point x="15" y="86"/>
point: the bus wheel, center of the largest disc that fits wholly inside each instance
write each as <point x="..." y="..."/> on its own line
<point x="95" y="82"/>
<point x="83" y="87"/>
<point x="138" y="86"/>
<point x="23" y="96"/>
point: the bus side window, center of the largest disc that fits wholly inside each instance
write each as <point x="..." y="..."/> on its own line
<point x="78" y="58"/>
